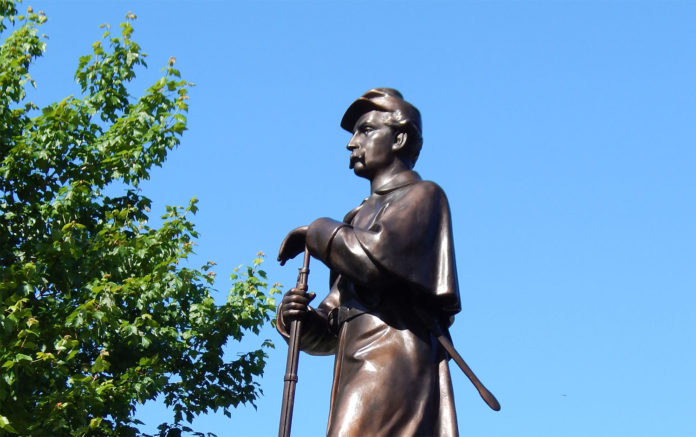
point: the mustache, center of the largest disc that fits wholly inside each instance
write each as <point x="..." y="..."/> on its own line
<point x="354" y="159"/>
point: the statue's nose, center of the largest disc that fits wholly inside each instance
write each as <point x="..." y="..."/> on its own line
<point x="352" y="145"/>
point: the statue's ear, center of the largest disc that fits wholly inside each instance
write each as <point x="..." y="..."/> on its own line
<point x="400" y="141"/>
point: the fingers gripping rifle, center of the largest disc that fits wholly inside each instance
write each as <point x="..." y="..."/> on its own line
<point x="293" y="357"/>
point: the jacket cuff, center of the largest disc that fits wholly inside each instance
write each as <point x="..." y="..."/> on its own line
<point x="280" y="323"/>
<point x="320" y="235"/>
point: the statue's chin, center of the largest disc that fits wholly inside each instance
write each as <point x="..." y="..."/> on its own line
<point x="359" y="170"/>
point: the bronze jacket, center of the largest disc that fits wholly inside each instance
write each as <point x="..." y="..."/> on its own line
<point x="393" y="273"/>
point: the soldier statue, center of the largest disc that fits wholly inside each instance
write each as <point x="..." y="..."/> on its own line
<point x="393" y="284"/>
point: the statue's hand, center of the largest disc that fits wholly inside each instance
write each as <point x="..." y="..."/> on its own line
<point x="293" y="244"/>
<point x="295" y="304"/>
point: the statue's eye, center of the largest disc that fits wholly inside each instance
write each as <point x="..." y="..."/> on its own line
<point x="367" y="129"/>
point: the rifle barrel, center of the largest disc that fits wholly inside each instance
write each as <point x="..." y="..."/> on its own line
<point x="290" y="378"/>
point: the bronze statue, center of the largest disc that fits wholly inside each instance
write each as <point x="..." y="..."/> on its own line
<point x="394" y="290"/>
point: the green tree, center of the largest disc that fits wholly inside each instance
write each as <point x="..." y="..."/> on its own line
<point x="97" y="311"/>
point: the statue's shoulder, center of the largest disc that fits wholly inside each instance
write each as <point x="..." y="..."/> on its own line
<point x="421" y="195"/>
<point x="428" y="188"/>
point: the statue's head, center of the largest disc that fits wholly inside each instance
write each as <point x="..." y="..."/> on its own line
<point x="401" y="116"/>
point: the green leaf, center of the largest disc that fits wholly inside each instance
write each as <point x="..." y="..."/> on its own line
<point x="100" y="365"/>
<point x="22" y="357"/>
<point x="5" y="425"/>
<point x="95" y="422"/>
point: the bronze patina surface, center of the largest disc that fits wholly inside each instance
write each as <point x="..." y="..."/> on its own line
<point x="393" y="285"/>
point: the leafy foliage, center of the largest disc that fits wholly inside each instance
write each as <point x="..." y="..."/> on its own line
<point x="97" y="312"/>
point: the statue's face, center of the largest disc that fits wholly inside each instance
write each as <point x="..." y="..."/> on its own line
<point x="371" y="147"/>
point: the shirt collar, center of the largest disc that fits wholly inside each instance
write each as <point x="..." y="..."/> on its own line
<point x="400" y="180"/>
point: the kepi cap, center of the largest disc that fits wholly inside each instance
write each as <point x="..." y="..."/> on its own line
<point x="381" y="99"/>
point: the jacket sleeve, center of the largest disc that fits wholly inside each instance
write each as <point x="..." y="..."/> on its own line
<point x="409" y="240"/>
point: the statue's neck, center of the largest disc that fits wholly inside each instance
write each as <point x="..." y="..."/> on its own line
<point x="386" y="175"/>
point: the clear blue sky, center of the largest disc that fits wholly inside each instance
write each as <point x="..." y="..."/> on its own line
<point x="564" y="134"/>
